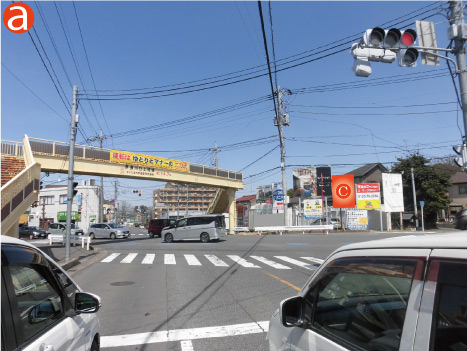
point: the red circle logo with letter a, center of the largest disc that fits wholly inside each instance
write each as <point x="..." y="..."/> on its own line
<point x="18" y="18"/>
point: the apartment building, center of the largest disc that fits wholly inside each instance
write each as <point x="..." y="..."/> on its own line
<point x="182" y="199"/>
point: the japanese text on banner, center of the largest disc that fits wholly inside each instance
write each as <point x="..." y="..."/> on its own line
<point x="148" y="161"/>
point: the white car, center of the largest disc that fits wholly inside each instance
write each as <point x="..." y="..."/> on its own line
<point x="405" y="293"/>
<point x="42" y="307"/>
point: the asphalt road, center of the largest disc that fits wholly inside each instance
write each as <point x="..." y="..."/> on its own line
<point x="177" y="296"/>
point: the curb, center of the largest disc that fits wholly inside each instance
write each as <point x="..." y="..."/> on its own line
<point x="75" y="261"/>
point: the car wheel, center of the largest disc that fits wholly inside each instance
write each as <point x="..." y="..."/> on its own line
<point x="151" y="235"/>
<point x="168" y="238"/>
<point x="204" y="237"/>
<point x="112" y="236"/>
<point x="95" y="345"/>
<point x="92" y="236"/>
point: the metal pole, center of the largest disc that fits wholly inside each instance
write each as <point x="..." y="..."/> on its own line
<point x="281" y="137"/>
<point x="73" y="128"/>
<point x="423" y="224"/>
<point x="457" y="18"/>
<point x="414" y="199"/>
<point x="187" y="199"/>
<point x="116" y="202"/>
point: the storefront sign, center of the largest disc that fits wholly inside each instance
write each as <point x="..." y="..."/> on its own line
<point x="313" y="209"/>
<point x="75" y="216"/>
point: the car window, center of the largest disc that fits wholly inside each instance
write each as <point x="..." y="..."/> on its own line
<point x="193" y="221"/>
<point x="181" y="223"/>
<point x="52" y="226"/>
<point x="65" y="282"/>
<point x="450" y="312"/>
<point x="361" y="302"/>
<point x="37" y="302"/>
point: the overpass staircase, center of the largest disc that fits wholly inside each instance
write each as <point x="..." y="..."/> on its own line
<point x="20" y="183"/>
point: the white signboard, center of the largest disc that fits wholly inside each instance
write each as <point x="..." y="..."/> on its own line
<point x="313" y="209"/>
<point x="393" y="193"/>
<point x="357" y="220"/>
<point x="277" y="197"/>
<point x="368" y="196"/>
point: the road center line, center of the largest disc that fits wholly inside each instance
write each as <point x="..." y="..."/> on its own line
<point x="184" y="334"/>
<point x="283" y="281"/>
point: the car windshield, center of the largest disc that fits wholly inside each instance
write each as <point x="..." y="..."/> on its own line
<point x="114" y="225"/>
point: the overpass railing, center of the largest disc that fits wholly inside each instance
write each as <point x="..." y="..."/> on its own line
<point x="58" y="148"/>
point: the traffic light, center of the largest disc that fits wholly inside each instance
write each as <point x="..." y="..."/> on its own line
<point x="41" y="185"/>
<point x="139" y="192"/>
<point x="135" y="191"/>
<point x="461" y="161"/>
<point x="382" y="45"/>
<point x="75" y="184"/>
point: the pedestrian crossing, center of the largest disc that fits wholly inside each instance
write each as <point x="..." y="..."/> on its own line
<point x="253" y="261"/>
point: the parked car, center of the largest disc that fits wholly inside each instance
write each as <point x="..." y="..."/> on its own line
<point x="156" y="225"/>
<point x="60" y="228"/>
<point x="461" y="219"/>
<point x="42" y="307"/>
<point x="204" y="228"/>
<point x="108" y="230"/>
<point x="405" y="293"/>
<point x="32" y="232"/>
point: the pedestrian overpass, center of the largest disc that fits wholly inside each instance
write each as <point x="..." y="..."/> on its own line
<point x="20" y="184"/>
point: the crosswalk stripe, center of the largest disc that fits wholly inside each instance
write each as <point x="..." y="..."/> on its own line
<point x="130" y="257"/>
<point x="110" y="258"/>
<point x="169" y="259"/>
<point x="270" y="263"/>
<point x="216" y="261"/>
<point x="296" y="262"/>
<point x="192" y="260"/>
<point x="314" y="260"/>
<point x="187" y="345"/>
<point x="242" y="261"/>
<point x="148" y="259"/>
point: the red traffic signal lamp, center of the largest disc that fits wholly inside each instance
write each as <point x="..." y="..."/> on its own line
<point x="139" y="192"/>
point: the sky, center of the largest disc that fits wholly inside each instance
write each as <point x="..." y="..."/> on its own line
<point x="201" y="68"/>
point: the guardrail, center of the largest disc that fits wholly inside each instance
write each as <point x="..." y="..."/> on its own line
<point x="73" y="238"/>
<point x="302" y="229"/>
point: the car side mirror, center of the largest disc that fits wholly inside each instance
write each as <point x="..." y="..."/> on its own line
<point x="291" y="312"/>
<point x="87" y="303"/>
<point x="41" y="312"/>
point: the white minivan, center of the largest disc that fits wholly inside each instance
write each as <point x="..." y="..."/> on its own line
<point x="204" y="228"/>
<point x="398" y="294"/>
<point x="42" y="307"/>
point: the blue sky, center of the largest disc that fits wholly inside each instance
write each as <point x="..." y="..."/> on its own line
<point x="336" y="118"/>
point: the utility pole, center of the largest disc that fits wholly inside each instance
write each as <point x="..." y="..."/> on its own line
<point x="100" y="216"/>
<point x="116" y="202"/>
<point x="187" y="199"/>
<point x="279" y="121"/>
<point x="414" y="199"/>
<point x="457" y="19"/>
<point x="71" y="156"/>
<point x="43" y="214"/>
<point x="215" y="149"/>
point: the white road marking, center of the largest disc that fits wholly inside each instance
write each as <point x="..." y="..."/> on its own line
<point x="169" y="259"/>
<point x="296" y="262"/>
<point x="242" y="261"/>
<point x="187" y="345"/>
<point x="110" y="258"/>
<point x="130" y="257"/>
<point x="192" y="260"/>
<point x="216" y="261"/>
<point x="314" y="260"/>
<point x="270" y="263"/>
<point x="148" y="259"/>
<point x="184" y="334"/>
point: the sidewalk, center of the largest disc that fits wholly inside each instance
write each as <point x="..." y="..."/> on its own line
<point x="57" y="252"/>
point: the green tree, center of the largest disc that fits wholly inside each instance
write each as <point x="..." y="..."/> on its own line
<point x="290" y="193"/>
<point x="431" y="185"/>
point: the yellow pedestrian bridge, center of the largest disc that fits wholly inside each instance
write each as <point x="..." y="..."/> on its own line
<point x="23" y="162"/>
